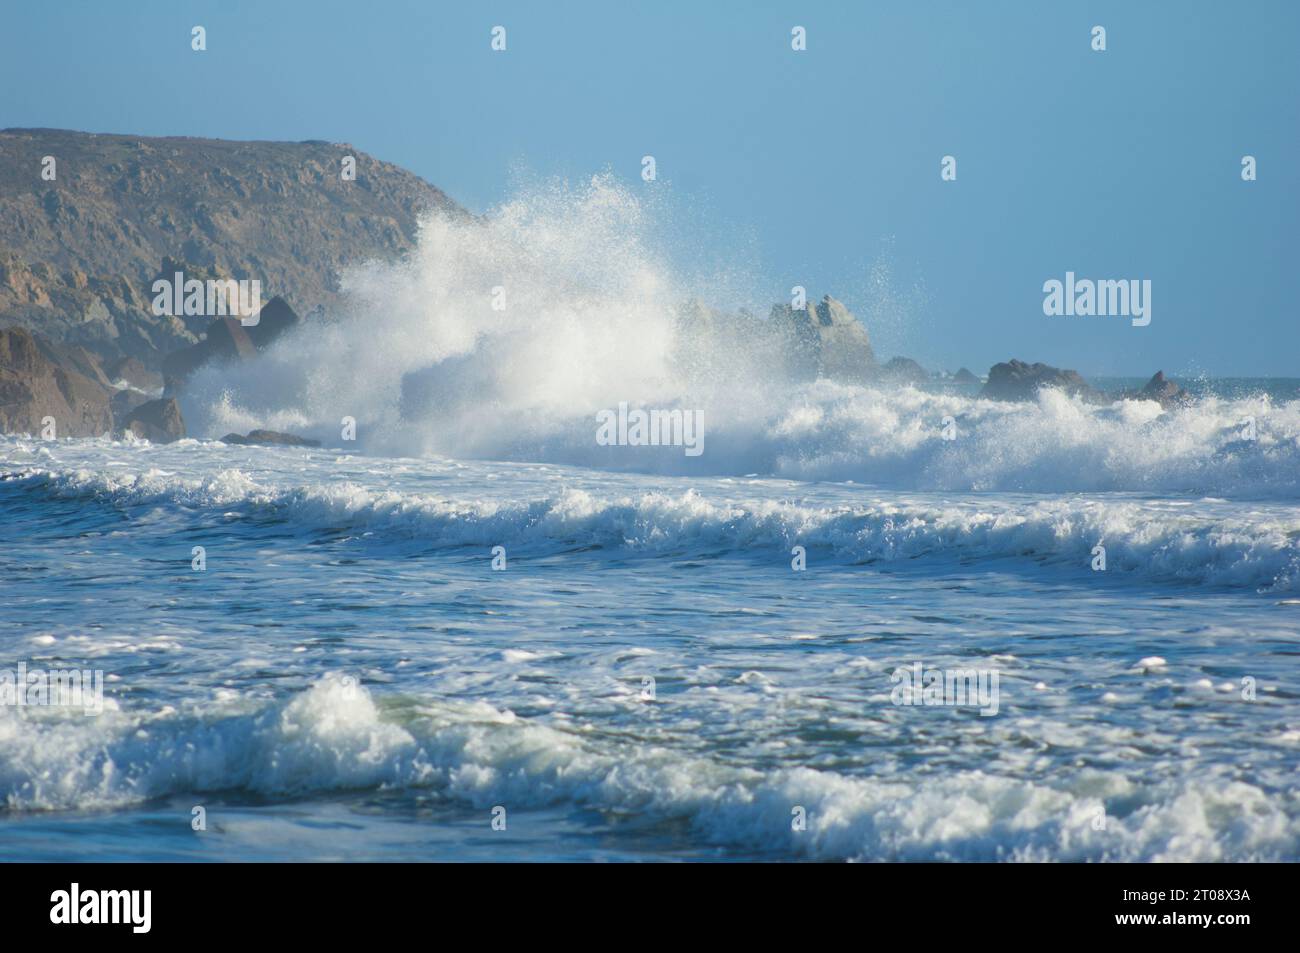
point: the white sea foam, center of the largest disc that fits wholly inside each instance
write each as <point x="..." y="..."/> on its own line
<point x="1204" y="542"/>
<point x="334" y="737"/>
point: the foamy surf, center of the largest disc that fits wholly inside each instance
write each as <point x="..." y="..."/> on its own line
<point x="474" y="688"/>
<point x="517" y="330"/>
<point x="553" y="510"/>
<point x="894" y="438"/>
<point x="617" y="639"/>
<point x="333" y="737"/>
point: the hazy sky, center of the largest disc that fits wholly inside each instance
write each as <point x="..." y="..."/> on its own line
<point x="819" y="168"/>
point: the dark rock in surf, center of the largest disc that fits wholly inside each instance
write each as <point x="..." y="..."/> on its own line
<point x="274" y="320"/>
<point x="158" y="421"/>
<point x="123" y="403"/>
<point x="1163" y="391"/>
<point x="269" y="438"/>
<point x="903" y="370"/>
<point x="229" y="340"/>
<point x="1016" y="380"/>
<point x="225" y="341"/>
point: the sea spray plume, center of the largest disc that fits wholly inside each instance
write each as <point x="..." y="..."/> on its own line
<point x="496" y="337"/>
<point x="547" y="308"/>
<point x="504" y="337"/>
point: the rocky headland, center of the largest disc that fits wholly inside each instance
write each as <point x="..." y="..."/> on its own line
<point x="86" y="351"/>
<point x="82" y="244"/>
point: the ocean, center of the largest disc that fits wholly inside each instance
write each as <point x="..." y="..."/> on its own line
<point x="846" y="622"/>
<point x="642" y="670"/>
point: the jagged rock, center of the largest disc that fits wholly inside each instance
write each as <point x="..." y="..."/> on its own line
<point x="122" y="403"/>
<point x="800" y="342"/>
<point x="225" y="340"/>
<point x="822" y="340"/>
<point x="74" y="358"/>
<point x="229" y="339"/>
<point x="826" y="341"/>
<point x="1016" y="380"/>
<point x="965" y="377"/>
<point x="269" y="438"/>
<point x="845" y="346"/>
<point x="903" y="370"/>
<point x="133" y="372"/>
<point x="33" y="387"/>
<point x="158" y="421"/>
<point x="275" y="318"/>
<point x="176" y="272"/>
<point x="1163" y="391"/>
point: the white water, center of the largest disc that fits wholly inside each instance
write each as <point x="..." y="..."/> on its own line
<point x="475" y="688"/>
<point x="591" y="320"/>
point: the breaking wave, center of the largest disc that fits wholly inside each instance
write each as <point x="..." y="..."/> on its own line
<point x="334" y="736"/>
<point x="1201" y="542"/>
<point x="502" y="338"/>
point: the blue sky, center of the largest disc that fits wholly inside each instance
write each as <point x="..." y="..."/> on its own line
<point x="818" y="168"/>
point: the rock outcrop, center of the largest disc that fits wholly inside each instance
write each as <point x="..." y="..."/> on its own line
<point x="158" y="421"/>
<point x="269" y="438"/>
<point x="1162" y="390"/>
<point x="131" y="371"/>
<point x="35" y="388"/>
<point x="225" y="340"/>
<point x="275" y="319"/>
<point x="74" y="358"/>
<point x="903" y="370"/>
<point x="845" y="346"/>
<point x="822" y="340"/>
<point x="825" y="341"/>
<point x="122" y="403"/>
<point x="965" y="378"/>
<point x="1016" y="380"/>
<point x="41" y="382"/>
<point x="229" y="340"/>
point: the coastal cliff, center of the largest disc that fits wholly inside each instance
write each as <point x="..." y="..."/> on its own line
<point x="83" y="237"/>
